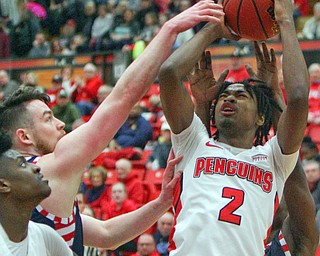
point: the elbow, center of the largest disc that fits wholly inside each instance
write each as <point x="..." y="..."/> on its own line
<point x="167" y="73"/>
<point x="299" y="98"/>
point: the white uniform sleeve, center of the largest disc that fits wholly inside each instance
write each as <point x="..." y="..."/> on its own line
<point x="186" y="142"/>
<point x="284" y="164"/>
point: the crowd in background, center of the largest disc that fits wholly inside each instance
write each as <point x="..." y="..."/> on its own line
<point x="43" y="28"/>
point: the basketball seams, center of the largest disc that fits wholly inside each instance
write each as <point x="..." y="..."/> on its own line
<point x="238" y="17"/>
<point x="259" y="18"/>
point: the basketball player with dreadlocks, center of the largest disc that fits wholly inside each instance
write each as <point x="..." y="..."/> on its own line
<point x="231" y="185"/>
<point x="294" y="230"/>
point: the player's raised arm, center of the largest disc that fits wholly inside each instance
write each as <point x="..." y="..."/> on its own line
<point x="299" y="229"/>
<point x="176" y="101"/>
<point x="81" y="146"/>
<point x="293" y="120"/>
<point x="123" y="228"/>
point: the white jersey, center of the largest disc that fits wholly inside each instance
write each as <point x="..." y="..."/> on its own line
<point x="40" y="241"/>
<point x="228" y="196"/>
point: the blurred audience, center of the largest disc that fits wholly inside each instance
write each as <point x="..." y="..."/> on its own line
<point x="7" y="86"/>
<point x="158" y="158"/>
<point x="97" y="196"/>
<point x="135" y="132"/>
<point x="146" y="246"/>
<point x="161" y="236"/>
<point x="66" y="111"/>
<point x="130" y="180"/>
<point x="85" y="94"/>
<point x="311" y="29"/>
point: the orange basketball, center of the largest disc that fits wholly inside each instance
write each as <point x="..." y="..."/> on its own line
<point x="251" y="19"/>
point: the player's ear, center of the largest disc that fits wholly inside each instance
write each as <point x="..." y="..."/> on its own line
<point x="260" y="121"/>
<point x="5" y="186"/>
<point x="23" y="136"/>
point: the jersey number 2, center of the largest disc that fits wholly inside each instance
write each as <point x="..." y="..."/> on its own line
<point x="227" y="212"/>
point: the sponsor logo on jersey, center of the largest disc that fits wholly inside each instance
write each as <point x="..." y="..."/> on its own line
<point x="231" y="167"/>
<point x="212" y="145"/>
<point x="259" y="157"/>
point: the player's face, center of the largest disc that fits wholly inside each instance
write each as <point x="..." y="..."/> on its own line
<point x="25" y="178"/>
<point x="47" y="130"/>
<point x="236" y="110"/>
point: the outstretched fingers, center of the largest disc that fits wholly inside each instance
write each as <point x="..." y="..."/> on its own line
<point x="170" y="178"/>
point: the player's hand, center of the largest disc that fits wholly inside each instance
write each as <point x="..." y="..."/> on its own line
<point x="170" y="179"/>
<point x="203" y="85"/>
<point x="204" y="10"/>
<point x="267" y="70"/>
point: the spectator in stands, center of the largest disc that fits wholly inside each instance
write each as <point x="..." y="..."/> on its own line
<point x="312" y="171"/>
<point x="41" y="47"/>
<point x="119" y="204"/>
<point x="161" y="236"/>
<point x="85" y="94"/>
<point x="7" y="86"/>
<point x="309" y="149"/>
<point x="101" y="26"/>
<point x="10" y="10"/>
<point x="130" y="180"/>
<point x="151" y="26"/>
<point x="314" y="102"/>
<point x="159" y="156"/>
<point x="146" y="246"/>
<point x="301" y="8"/>
<point x="97" y="196"/>
<point x="53" y="91"/>
<point x="67" y="32"/>
<point x="67" y="79"/>
<point x="103" y="92"/>
<point x="135" y="132"/>
<point x="123" y="33"/>
<point x="32" y="80"/>
<point x="66" y="111"/>
<point x="237" y="71"/>
<point x="4" y="42"/>
<point x="146" y="6"/>
<point x="23" y="34"/>
<point x="311" y="29"/>
<point x="88" y="19"/>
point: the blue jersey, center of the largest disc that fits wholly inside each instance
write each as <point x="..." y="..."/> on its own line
<point x="278" y="247"/>
<point x="70" y="229"/>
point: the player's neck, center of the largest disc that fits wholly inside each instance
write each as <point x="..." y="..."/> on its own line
<point x="236" y="142"/>
<point x="15" y="224"/>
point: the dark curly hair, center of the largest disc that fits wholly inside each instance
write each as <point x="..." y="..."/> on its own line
<point x="265" y="105"/>
<point x="5" y="142"/>
<point x="13" y="112"/>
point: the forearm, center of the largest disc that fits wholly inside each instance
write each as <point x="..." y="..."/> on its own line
<point x="142" y="72"/>
<point x="125" y="227"/>
<point x="294" y="66"/>
<point x="203" y="112"/>
<point x="190" y="53"/>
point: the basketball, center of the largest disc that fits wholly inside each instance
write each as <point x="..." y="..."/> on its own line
<point x="251" y="19"/>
